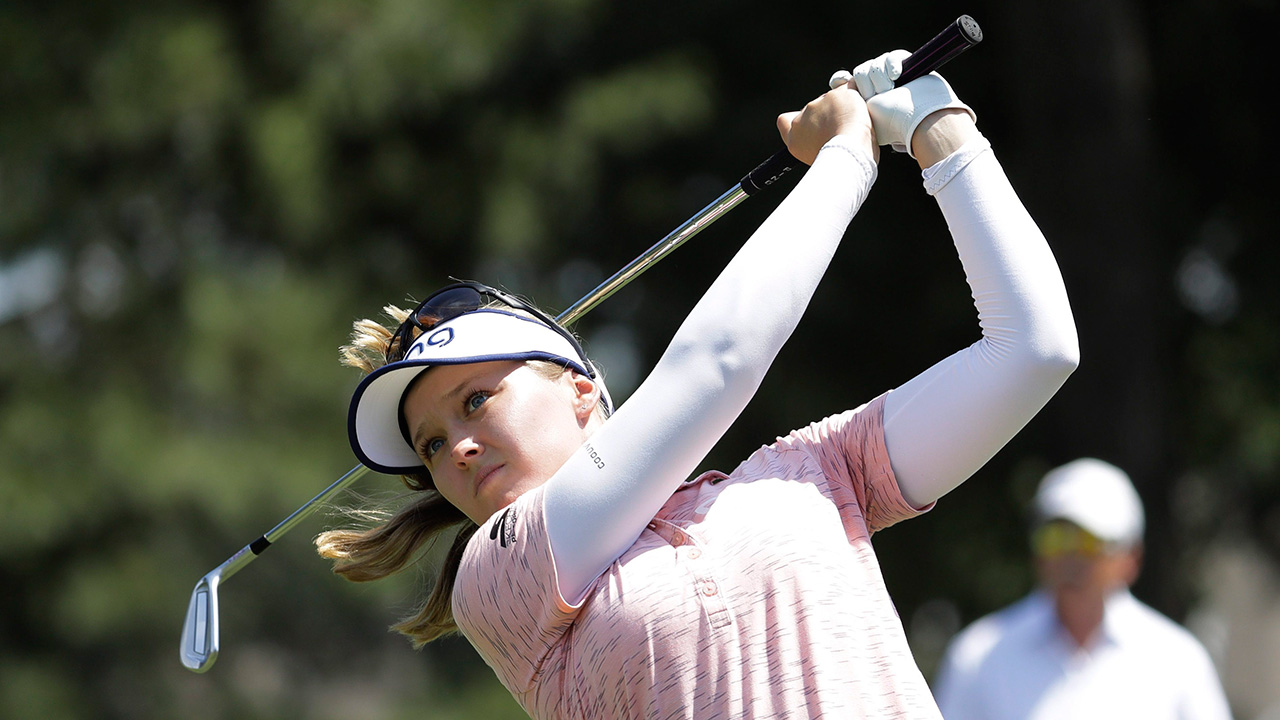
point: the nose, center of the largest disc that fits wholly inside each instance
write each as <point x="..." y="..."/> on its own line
<point x="465" y="451"/>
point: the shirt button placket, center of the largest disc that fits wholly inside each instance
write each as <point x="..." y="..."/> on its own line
<point x="704" y="585"/>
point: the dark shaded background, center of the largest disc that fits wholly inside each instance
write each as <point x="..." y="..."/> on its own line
<point x="197" y="198"/>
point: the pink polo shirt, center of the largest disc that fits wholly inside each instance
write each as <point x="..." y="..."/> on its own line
<point x="755" y="594"/>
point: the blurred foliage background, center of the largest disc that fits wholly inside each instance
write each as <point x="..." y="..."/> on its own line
<point x="197" y="198"/>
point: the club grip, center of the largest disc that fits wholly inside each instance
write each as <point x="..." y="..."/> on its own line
<point x="957" y="37"/>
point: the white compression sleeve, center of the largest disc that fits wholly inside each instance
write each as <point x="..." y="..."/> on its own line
<point x="944" y="424"/>
<point x="599" y="502"/>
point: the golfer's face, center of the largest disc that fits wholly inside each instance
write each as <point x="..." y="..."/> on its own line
<point x="489" y="432"/>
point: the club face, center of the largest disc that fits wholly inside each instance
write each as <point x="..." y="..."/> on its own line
<point x="199" y="647"/>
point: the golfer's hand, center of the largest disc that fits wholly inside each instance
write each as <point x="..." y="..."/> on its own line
<point x="910" y="116"/>
<point x="841" y="111"/>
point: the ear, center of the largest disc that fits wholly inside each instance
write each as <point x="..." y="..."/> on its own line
<point x="586" y="396"/>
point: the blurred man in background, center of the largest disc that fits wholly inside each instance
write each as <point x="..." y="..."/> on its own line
<point x="1081" y="646"/>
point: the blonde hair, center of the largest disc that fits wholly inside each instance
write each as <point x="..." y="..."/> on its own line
<point x="398" y="539"/>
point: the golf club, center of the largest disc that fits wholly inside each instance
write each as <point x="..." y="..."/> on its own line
<point x="200" y="637"/>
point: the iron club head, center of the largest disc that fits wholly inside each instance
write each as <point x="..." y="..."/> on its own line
<point x="199" y="647"/>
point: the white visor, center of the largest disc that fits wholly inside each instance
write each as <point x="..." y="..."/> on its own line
<point x="373" y="420"/>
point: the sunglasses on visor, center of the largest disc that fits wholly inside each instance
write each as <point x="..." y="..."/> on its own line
<point x="461" y="298"/>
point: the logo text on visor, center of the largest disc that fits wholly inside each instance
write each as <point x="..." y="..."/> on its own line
<point x="439" y="338"/>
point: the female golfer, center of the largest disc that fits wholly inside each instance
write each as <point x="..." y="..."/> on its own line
<point x="593" y="574"/>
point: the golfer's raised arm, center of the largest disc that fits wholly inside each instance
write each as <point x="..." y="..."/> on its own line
<point x="597" y="506"/>
<point x="944" y="424"/>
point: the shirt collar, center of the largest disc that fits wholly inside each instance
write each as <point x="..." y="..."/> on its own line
<point x="1116" y="628"/>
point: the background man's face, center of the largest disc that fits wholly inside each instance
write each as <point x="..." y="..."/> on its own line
<point x="1070" y="561"/>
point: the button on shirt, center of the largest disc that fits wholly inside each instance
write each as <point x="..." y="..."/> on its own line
<point x="1020" y="664"/>
<point x="753" y="594"/>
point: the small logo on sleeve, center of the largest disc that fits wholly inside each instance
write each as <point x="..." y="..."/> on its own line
<point x="504" y="530"/>
<point x="595" y="457"/>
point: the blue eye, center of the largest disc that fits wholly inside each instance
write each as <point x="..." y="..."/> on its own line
<point x="430" y="448"/>
<point x="475" y="400"/>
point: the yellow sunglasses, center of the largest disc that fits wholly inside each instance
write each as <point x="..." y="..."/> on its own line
<point x="1057" y="538"/>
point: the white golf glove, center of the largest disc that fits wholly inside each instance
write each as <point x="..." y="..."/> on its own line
<point x="896" y="112"/>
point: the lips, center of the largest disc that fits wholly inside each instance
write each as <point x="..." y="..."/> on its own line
<point x="483" y="475"/>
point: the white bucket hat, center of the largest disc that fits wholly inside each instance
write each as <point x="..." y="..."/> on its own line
<point x="375" y="424"/>
<point x="1095" y="495"/>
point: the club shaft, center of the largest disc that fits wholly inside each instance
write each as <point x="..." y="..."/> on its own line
<point x="650" y="257"/>
<point x="249" y="552"/>
<point x="235" y="563"/>
<point x="301" y="513"/>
